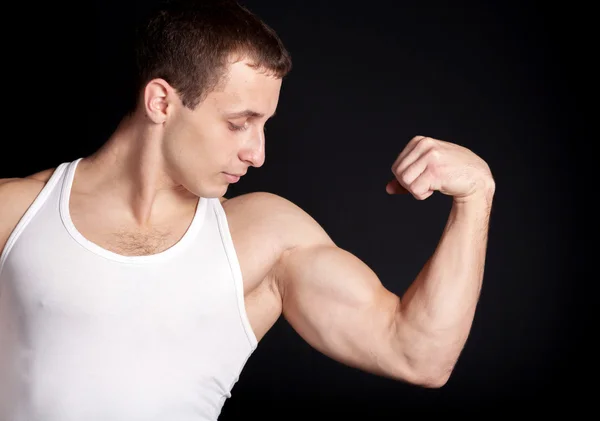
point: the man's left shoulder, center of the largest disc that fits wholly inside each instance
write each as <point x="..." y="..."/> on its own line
<point x="262" y="200"/>
<point x="264" y="207"/>
<point x="275" y="216"/>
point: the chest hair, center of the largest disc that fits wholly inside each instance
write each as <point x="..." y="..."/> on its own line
<point x="140" y="243"/>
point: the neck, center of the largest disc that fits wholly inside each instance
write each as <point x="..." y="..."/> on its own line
<point x="130" y="171"/>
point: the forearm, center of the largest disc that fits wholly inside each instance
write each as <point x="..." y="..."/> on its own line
<point x="436" y="312"/>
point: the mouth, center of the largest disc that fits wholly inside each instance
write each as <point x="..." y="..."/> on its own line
<point x="232" y="178"/>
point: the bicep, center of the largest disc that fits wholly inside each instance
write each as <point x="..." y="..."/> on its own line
<point x="339" y="306"/>
<point x="330" y="297"/>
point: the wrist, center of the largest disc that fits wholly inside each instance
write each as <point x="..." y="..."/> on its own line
<point x="481" y="196"/>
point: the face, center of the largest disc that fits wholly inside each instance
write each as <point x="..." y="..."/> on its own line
<point x="208" y="148"/>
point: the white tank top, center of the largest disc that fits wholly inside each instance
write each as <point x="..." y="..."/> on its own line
<point x="87" y="334"/>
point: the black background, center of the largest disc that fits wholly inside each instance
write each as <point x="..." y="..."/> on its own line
<point x="496" y="77"/>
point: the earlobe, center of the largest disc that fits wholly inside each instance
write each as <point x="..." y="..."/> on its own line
<point x="156" y="100"/>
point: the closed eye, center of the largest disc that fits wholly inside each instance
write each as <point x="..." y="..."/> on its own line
<point x="237" y="128"/>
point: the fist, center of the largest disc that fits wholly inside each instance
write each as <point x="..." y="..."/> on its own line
<point x="427" y="165"/>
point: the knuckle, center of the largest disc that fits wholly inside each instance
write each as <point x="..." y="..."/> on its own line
<point x="417" y="139"/>
<point x="428" y="141"/>
<point x="434" y="154"/>
<point x="404" y="178"/>
<point x="434" y="170"/>
<point x="422" y="194"/>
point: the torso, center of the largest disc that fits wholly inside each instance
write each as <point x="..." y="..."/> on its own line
<point x="256" y="253"/>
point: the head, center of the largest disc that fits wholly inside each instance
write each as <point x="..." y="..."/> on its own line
<point x="209" y="78"/>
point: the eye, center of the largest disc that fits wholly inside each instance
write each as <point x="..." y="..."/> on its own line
<point x="237" y="128"/>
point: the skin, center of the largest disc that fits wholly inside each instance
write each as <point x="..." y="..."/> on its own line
<point x="137" y="194"/>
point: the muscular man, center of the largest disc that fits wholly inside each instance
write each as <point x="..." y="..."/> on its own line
<point x="131" y="289"/>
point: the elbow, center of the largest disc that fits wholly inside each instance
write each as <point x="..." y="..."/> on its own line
<point x="433" y="379"/>
<point x="424" y="357"/>
<point x="427" y="361"/>
<point x="429" y="373"/>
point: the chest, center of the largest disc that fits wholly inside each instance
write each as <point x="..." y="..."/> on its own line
<point x="134" y="242"/>
<point x="121" y="235"/>
<point x="251" y="245"/>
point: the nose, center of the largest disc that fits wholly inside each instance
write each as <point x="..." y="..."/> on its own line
<point x="253" y="151"/>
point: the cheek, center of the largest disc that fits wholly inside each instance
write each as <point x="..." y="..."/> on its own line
<point x="194" y="142"/>
<point x="206" y="143"/>
<point x="220" y="142"/>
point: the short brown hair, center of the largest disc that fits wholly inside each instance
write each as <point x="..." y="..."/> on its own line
<point x="188" y="43"/>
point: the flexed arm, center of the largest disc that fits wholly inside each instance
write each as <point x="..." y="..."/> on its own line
<point x="339" y="305"/>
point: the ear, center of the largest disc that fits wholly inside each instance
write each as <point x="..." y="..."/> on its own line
<point x="156" y="100"/>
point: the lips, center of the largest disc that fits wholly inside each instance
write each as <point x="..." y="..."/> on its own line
<point x="232" y="178"/>
<point x="236" y="174"/>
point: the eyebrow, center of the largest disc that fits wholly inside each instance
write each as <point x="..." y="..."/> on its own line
<point x="247" y="114"/>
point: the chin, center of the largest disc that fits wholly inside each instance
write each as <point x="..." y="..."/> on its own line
<point x="207" y="187"/>
<point x="214" y="191"/>
<point x="220" y="193"/>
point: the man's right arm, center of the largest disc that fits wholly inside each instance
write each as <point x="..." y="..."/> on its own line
<point x="16" y="196"/>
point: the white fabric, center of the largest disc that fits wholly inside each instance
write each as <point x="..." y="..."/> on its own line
<point x="90" y="335"/>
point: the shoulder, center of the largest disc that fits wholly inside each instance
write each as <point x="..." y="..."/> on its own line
<point x="15" y="192"/>
<point x="16" y="196"/>
<point x="17" y="188"/>
<point x="276" y="219"/>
